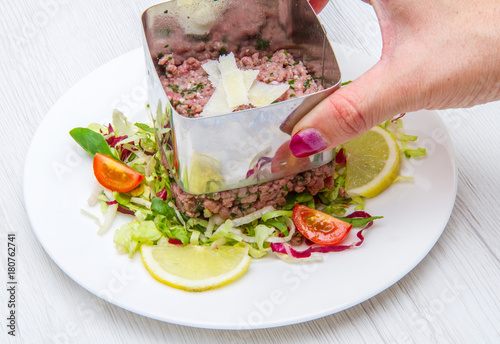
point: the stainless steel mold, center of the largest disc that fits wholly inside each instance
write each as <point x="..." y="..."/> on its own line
<point x="237" y="149"/>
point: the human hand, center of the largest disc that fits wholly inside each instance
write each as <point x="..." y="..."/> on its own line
<point x="436" y="54"/>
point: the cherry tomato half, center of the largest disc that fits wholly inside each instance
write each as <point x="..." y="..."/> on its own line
<point x="319" y="227"/>
<point x="115" y="175"/>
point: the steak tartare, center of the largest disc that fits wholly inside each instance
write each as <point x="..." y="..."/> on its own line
<point x="189" y="89"/>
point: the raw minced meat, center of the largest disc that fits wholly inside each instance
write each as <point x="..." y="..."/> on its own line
<point x="239" y="202"/>
<point x="189" y="89"/>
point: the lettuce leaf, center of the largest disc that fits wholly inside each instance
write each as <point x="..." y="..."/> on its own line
<point x="172" y="230"/>
<point x="91" y="141"/>
<point x="261" y="234"/>
<point x="359" y="221"/>
<point x="129" y="237"/>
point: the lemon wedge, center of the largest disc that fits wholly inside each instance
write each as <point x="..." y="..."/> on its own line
<point x="372" y="162"/>
<point x="195" y="267"/>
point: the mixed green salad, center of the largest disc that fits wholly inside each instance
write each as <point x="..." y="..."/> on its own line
<point x="132" y="180"/>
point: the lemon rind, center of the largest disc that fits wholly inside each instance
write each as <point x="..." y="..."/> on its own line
<point x="391" y="169"/>
<point x="154" y="268"/>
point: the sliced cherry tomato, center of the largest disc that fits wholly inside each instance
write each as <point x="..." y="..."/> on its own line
<point x="319" y="227"/>
<point x="115" y="175"/>
<point x="285" y="160"/>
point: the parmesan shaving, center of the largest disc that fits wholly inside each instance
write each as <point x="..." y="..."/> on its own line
<point x="212" y="69"/>
<point x="232" y="81"/>
<point x="262" y="94"/>
<point x="249" y="76"/>
<point x="217" y="104"/>
<point x="235" y="87"/>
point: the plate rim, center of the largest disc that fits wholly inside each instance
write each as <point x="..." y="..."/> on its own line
<point x="217" y="325"/>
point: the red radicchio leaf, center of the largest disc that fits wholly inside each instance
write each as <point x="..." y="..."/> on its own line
<point x="121" y="209"/>
<point x="263" y="161"/>
<point x="259" y="165"/>
<point x="250" y="173"/>
<point x="308" y="242"/>
<point x="358" y="214"/>
<point x="340" y="157"/>
<point x="401" y="115"/>
<point x="162" y="194"/>
<point x="125" y="211"/>
<point x="175" y="241"/>
<point x="125" y="155"/>
<point x="287" y="249"/>
<point x="113" y="140"/>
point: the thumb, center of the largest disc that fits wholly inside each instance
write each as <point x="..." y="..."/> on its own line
<point x="349" y="111"/>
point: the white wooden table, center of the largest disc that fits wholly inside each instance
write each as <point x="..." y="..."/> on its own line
<point x="452" y="296"/>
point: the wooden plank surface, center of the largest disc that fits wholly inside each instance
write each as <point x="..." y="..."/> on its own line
<point x="452" y="296"/>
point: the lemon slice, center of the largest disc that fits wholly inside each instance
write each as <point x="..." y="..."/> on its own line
<point x="372" y="162"/>
<point x="204" y="174"/>
<point x="194" y="267"/>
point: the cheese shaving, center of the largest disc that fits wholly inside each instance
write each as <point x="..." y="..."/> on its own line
<point x="232" y="81"/>
<point x="262" y="94"/>
<point x="235" y="87"/>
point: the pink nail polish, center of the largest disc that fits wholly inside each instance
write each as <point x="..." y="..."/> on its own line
<point x="307" y="142"/>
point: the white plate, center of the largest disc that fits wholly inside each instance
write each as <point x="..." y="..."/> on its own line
<point x="59" y="179"/>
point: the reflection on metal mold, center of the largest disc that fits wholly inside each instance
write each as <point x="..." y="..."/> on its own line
<point x="211" y="154"/>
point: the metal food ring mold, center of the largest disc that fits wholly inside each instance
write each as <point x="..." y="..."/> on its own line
<point x="233" y="150"/>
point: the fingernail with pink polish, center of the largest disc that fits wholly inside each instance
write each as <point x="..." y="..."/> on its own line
<point x="307" y="142"/>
